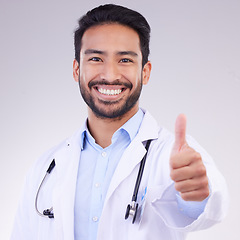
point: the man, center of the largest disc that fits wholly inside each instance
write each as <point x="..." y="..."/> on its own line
<point x="91" y="187"/>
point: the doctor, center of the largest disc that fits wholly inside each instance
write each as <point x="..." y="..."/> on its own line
<point x="95" y="170"/>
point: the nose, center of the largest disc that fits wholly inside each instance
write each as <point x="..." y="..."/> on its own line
<point x="110" y="71"/>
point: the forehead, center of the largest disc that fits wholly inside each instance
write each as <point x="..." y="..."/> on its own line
<point x="111" y="37"/>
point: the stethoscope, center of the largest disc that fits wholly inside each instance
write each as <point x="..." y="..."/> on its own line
<point x="47" y="212"/>
<point x="132" y="209"/>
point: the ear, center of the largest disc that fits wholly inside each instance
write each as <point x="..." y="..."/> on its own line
<point x="146" y="72"/>
<point x="75" y="70"/>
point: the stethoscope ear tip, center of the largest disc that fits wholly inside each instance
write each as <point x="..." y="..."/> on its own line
<point x="48" y="213"/>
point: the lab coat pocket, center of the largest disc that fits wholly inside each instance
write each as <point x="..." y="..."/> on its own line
<point x="156" y="192"/>
<point x="150" y="195"/>
<point x="168" y="210"/>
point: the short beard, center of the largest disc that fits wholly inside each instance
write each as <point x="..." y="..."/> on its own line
<point x="116" y="113"/>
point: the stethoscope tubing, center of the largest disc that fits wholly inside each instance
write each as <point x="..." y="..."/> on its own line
<point x="140" y="173"/>
<point x="131" y="208"/>
<point x="48" y="212"/>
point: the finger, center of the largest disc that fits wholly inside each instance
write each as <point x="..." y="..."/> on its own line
<point x="181" y="174"/>
<point x="191" y="184"/>
<point x="197" y="195"/>
<point x="185" y="166"/>
<point x="180" y="132"/>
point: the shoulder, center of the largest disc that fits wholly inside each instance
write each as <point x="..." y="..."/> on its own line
<point x="150" y="129"/>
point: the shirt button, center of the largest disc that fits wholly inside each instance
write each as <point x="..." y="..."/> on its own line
<point x="97" y="185"/>
<point x="104" y="154"/>
<point x="95" y="219"/>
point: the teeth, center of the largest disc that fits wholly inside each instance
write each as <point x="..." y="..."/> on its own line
<point x="109" y="92"/>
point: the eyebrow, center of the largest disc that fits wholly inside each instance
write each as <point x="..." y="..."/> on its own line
<point x="91" y="51"/>
<point x="131" y="53"/>
<point x="120" y="53"/>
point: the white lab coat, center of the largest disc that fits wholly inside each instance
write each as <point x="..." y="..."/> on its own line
<point x="160" y="218"/>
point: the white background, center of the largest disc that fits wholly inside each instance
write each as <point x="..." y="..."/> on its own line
<point x="195" y="54"/>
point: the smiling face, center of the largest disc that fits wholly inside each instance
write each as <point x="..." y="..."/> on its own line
<point x="110" y="72"/>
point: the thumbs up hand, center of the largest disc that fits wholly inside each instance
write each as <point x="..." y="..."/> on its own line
<point x="187" y="169"/>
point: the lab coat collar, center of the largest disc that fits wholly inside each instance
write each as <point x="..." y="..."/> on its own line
<point x="149" y="128"/>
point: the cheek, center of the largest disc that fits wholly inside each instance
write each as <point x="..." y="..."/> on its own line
<point x="137" y="79"/>
<point x="134" y="75"/>
<point x="88" y="73"/>
<point x="85" y="74"/>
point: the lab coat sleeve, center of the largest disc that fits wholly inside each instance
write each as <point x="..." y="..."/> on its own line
<point x="216" y="207"/>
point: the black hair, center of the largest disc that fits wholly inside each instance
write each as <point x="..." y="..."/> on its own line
<point x="111" y="13"/>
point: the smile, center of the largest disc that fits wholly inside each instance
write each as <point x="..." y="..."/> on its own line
<point x="109" y="92"/>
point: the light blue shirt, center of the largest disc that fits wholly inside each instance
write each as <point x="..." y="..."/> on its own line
<point x="96" y="168"/>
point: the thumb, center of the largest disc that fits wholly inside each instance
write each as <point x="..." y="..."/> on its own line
<point x="180" y="132"/>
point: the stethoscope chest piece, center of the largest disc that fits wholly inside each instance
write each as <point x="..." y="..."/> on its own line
<point x="132" y="210"/>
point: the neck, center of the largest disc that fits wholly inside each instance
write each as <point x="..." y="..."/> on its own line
<point x="102" y="129"/>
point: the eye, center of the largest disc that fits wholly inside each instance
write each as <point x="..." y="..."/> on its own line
<point x="126" y="60"/>
<point x="95" y="59"/>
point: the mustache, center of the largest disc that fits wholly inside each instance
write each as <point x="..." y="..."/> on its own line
<point x="112" y="83"/>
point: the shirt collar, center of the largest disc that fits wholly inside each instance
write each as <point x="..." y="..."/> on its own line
<point x="133" y="124"/>
<point x="131" y="127"/>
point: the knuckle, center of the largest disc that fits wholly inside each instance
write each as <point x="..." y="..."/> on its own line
<point x="178" y="187"/>
<point x="204" y="182"/>
<point x="202" y="194"/>
<point x="185" y="196"/>
<point x="196" y="156"/>
<point x="201" y="170"/>
<point x="173" y="175"/>
<point x="205" y="193"/>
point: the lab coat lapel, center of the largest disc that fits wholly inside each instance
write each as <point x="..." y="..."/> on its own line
<point x="134" y="153"/>
<point x="67" y="161"/>
<point x="130" y="159"/>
